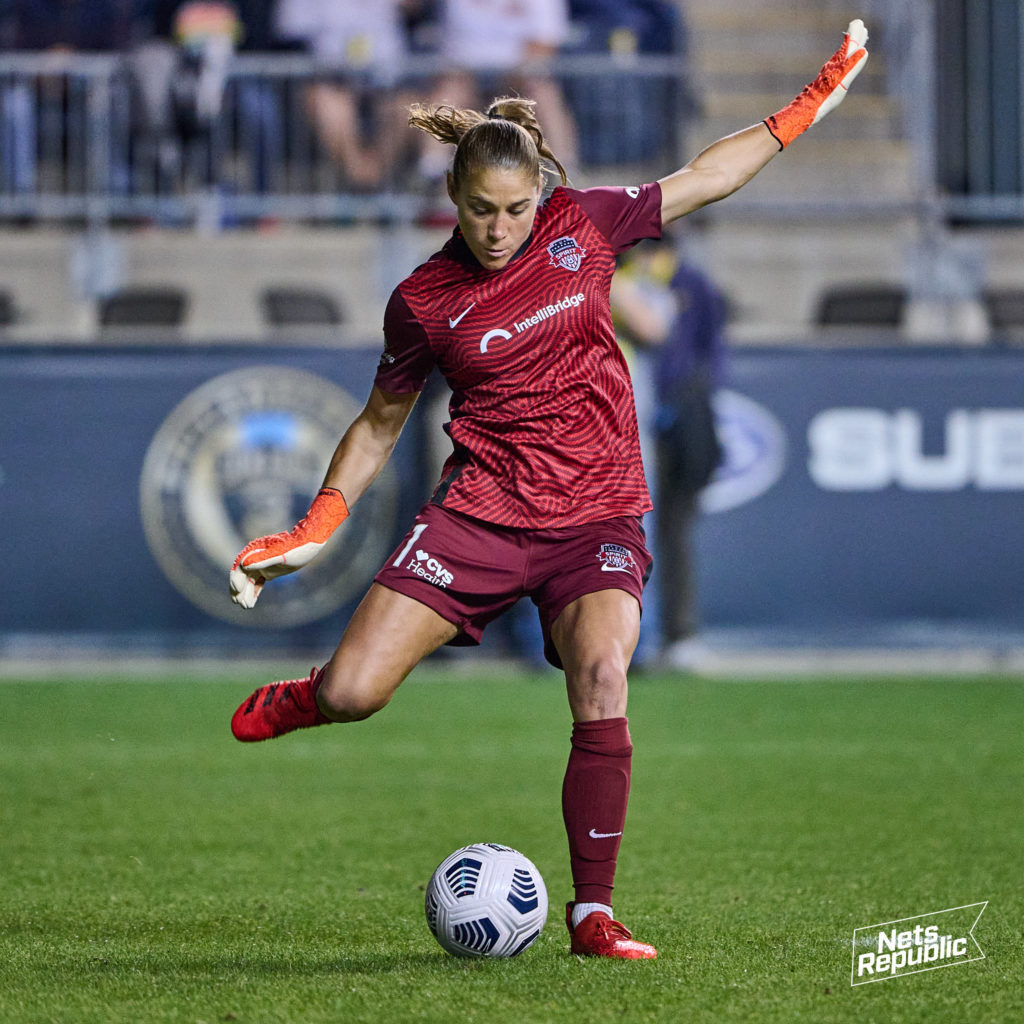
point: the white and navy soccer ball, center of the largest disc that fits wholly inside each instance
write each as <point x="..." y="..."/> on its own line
<point x="486" y="900"/>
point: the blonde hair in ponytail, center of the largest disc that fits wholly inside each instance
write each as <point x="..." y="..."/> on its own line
<point x="507" y="134"/>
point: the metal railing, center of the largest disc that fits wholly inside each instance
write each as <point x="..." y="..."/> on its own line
<point x="82" y="140"/>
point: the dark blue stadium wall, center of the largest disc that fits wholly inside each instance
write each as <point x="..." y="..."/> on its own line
<point x="132" y="475"/>
<point x="868" y="497"/>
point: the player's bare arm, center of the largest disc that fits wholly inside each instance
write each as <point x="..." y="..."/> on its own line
<point x="717" y="172"/>
<point x="367" y="444"/>
<point x="730" y="163"/>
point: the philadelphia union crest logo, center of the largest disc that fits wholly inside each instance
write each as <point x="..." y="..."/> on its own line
<point x="240" y="457"/>
<point x="566" y="253"/>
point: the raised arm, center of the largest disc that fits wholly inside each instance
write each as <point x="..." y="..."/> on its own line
<point x="729" y="163"/>
<point x="717" y="171"/>
<point x="358" y="459"/>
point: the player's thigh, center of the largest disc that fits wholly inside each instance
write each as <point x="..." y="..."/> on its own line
<point x="595" y="637"/>
<point x="388" y="635"/>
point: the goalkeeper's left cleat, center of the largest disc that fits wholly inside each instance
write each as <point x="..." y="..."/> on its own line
<point x="826" y="92"/>
<point x="598" y="935"/>
<point x="277" y="708"/>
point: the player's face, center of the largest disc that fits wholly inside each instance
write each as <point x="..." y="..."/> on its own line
<point x="496" y="207"/>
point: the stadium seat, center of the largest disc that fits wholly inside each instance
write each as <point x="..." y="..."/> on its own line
<point x="1005" y="309"/>
<point x="300" y="307"/>
<point x="862" y="305"/>
<point x="144" y="306"/>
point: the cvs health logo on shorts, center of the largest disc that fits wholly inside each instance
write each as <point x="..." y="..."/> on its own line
<point x="430" y="569"/>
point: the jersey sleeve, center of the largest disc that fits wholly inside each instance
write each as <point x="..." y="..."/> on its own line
<point x="407" y="358"/>
<point x="624" y="216"/>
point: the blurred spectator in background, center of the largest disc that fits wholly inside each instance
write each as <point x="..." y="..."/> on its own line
<point x="364" y="43"/>
<point x="187" y="102"/>
<point x="672" y="310"/>
<point x="17" y="114"/>
<point x="181" y="72"/>
<point x="259" y="100"/>
<point x="625" y="116"/>
<point x="71" y="26"/>
<point x="493" y="47"/>
<point x="57" y="27"/>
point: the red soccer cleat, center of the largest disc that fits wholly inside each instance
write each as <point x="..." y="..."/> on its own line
<point x="277" y="708"/>
<point x="598" y="935"/>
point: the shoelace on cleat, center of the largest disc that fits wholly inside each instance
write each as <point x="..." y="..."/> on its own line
<point x="614" y="930"/>
<point x="286" y="688"/>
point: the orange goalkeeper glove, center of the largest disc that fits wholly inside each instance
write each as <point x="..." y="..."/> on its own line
<point x="826" y="92"/>
<point x="266" y="558"/>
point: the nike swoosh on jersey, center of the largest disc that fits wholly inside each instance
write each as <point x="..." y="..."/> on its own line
<point x="605" y="567"/>
<point x="455" y="323"/>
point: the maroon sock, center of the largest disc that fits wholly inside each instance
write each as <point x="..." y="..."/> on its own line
<point x="594" y="797"/>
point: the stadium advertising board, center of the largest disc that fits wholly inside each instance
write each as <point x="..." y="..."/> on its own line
<point x="868" y="496"/>
<point x="135" y="477"/>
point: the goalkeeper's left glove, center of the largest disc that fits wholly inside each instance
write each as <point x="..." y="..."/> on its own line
<point x="266" y="558"/>
<point x="826" y="92"/>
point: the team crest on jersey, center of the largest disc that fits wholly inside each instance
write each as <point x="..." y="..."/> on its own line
<point x="567" y="253"/>
<point x="616" y="558"/>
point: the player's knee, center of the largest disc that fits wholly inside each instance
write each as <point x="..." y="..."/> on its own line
<point x="598" y="687"/>
<point x="350" y="704"/>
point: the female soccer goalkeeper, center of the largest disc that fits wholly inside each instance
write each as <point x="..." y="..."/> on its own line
<point x="544" y="490"/>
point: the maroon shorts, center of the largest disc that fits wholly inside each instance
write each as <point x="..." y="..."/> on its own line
<point x="470" y="571"/>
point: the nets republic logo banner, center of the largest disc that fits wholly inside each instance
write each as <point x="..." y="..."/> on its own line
<point x="911" y="945"/>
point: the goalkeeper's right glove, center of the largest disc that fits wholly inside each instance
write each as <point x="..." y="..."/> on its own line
<point x="826" y="92"/>
<point x="266" y="558"/>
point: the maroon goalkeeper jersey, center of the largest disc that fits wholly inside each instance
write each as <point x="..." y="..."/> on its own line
<point x="542" y="415"/>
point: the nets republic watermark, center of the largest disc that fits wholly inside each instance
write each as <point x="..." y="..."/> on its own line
<point x="910" y="945"/>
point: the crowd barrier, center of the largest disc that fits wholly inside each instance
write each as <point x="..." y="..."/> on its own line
<point x="142" y="135"/>
<point x="868" y="497"/>
<point x="99" y="138"/>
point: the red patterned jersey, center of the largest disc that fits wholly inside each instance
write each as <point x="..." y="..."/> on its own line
<point x="543" y="422"/>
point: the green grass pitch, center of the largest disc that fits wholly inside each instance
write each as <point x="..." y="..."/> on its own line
<point x="153" y="870"/>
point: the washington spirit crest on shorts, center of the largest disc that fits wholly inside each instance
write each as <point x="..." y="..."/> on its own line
<point x="616" y="558"/>
<point x="566" y="253"/>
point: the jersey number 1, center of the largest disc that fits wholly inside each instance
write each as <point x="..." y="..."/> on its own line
<point x="413" y="537"/>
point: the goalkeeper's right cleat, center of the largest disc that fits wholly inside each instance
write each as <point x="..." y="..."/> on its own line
<point x="598" y="935"/>
<point x="277" y="708"/>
